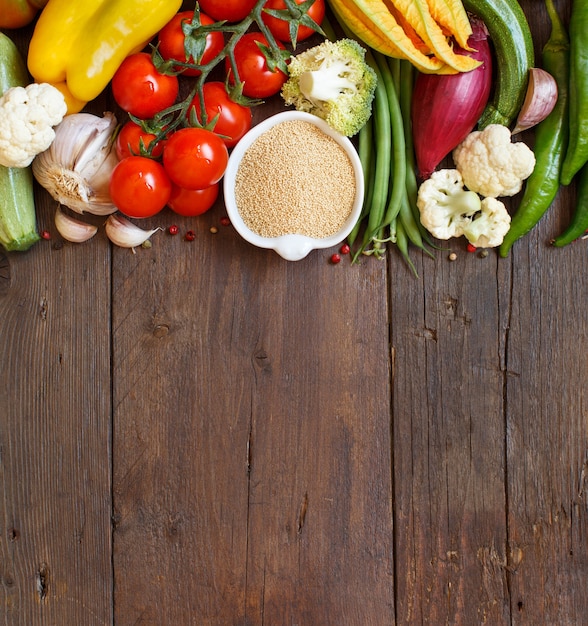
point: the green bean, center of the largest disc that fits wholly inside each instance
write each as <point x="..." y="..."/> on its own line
<point x="551" y="139"/>
<point x="406" y="85"/>
<point x="382" y="159"/>
<point x="394" y="64"/>
<point x="365" y="151"/>
<point x="402" y="245"/>
<point x="411" y="225"/>
<point x="579" y="223"/>
<point x="398" y="174"/>
<point x="577" y="152"/>
<point x="407" y="73"/>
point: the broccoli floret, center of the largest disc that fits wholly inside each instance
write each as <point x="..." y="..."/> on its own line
<point x="334" y="82"/>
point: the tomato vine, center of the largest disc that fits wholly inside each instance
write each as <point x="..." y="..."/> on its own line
<point x="195" y="32"/>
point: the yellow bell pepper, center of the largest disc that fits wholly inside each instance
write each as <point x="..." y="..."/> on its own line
<point x="78" y="46"/>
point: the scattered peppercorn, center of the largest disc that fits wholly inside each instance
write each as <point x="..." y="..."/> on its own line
<point x="213" y="230"/>
<point x="471" y="247"/>
<point x="483" y="254"/>
<point x="46" y="234"/>
<point x="345" y="249"/>
<point x="173" y="230"/>
<point x="225" y="221"/>
<point x="335" y="258"/>
<point x="190" y="235"/>
<point x="452" y="256"/>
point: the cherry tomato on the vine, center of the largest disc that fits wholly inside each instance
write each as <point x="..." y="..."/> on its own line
<point x="128" y="141"/>
<point x="234" y="119"/>
<point x="171" y="40"/>
<point x="140" y="89"/>
<point x="139" y="186"/>
<point x="258" y="80"/>
<point x="230" y="10"/>
<point x="192" y="202"/>
<point x="195" y="158"/>
<point x="280" y="29"/>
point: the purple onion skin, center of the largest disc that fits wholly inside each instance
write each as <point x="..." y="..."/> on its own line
<point x="446" y="108"/>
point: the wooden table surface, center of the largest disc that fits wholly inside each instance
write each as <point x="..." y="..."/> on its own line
<point x="205" y="434"/>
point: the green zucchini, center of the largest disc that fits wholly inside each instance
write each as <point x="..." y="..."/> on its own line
<point x="515" y="56"/>
<point x="18" y="221"/>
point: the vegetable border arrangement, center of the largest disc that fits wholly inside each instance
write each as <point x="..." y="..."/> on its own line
<point x="436" y="96"/>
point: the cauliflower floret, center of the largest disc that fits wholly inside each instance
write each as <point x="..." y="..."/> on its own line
<point x="445" y="207"/>
<point x="491" y="164"/>
<point x="448" y="210"/>
<point x="488" y="227"/>
<point x="27" y="117"/>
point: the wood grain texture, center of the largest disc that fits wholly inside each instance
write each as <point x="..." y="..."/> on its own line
<point x="55" y="550"/>
<point x="202" y="433"/>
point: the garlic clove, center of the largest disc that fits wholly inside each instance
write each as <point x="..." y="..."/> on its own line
<point x="125" y="234"/>
<point x="540" y="99"/>
<point x="72" y="229"/>
<point x="76" y="168"/>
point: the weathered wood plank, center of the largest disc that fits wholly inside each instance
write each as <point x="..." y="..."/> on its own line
<point x="489" y="419"/>
<point x="449" y="444"/>
<point x="55" y="408"/>
<point x="547" y="422"/>
<point x="55" y="552"/>
<point x="547" y="443"/>
<point x="257" y="426"/>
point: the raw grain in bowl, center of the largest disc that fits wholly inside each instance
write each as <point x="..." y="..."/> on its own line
<point x="294" y="178"/>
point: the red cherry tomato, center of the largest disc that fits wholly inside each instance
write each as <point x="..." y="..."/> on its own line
<point x="230" y="10"/>
<point x="139" y="186"/>
<point x="280" y="29"/>
<point x="140" y="89"/>
<point x="195" y="158"/>
<point x="171" y="42"/>
<point x="234" y="119"/>
<point x="128" y="141"/>
<point x="258" y="80"/>
<point x="192" y="202"/>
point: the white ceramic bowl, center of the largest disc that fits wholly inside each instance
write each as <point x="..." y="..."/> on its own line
<point x="291" y="247"/>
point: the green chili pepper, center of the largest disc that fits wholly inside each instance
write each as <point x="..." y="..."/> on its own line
<point x="577" y="152"/>
<point x="579" y="223"/>
<point x="551" y="139"/>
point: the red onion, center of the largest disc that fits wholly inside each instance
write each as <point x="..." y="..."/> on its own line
<point x="445" y="108"/>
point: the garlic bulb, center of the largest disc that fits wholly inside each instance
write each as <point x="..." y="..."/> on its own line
<point x="76" y="168"/>
<point x="125" y="234"/>
<point x="73" y="230"/>
<point x="540" y="99"/>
